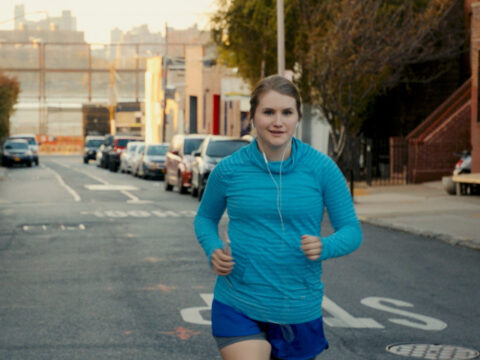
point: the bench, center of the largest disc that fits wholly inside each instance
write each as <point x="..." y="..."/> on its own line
<point x="467" y="183"/>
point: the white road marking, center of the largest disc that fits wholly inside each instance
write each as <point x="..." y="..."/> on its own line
<point x="62" y="227"/>
<point x="340" y="317"/>
<point x="193" y="315"/>
<point x="134" y="199"/>
<point x="100" y="180"/>
<point x="110" y="187"/>
<point x="140" y="213"/>
<point x="422" y="322"/>
<point x="76" y="197"/>
<point x="83" y="172"/>
<point x="165" y="213"/>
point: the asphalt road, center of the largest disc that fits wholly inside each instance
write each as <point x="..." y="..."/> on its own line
<point x="102" y="265"/>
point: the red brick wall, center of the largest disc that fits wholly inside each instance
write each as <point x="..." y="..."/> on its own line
<point x="475" y="48"/>
<point x="434" y="156"/>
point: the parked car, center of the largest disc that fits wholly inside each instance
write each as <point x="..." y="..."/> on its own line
<point x="136" y="158"/>
<point x="213" y="149"/>
<point x="16" y="151"/>
<point x="127" y="156"/>
<point x="152" y="161"/>
<point x="32" y="144"/>
<point x="463" y="166"/>
<point x="90" y="147"/>
<point x="99" y="155"/>
<point x="178" y="161"/>
<point x="104" y="150"/>
<point x="115" y="144"/>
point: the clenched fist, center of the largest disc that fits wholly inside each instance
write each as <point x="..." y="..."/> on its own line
<point x="311" y="246"/>
<point x="222" y="262"/>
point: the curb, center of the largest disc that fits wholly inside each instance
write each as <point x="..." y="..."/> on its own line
<point x="454" y="241"/>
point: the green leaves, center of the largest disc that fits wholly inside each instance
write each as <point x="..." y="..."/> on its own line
<point x="344" y="53"/>
<point x="245" y="32"/>
<point x="9" y="90"/>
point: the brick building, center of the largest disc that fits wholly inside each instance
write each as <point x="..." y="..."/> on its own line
<point x="455" y="124"/>
<point x="473" y="8"/>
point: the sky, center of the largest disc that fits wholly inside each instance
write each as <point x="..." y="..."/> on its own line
<point x="97" y="17"/>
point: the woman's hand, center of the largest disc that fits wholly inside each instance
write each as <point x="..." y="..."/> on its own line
<point x="311" y="246"/>
<point x="222" y="262"/>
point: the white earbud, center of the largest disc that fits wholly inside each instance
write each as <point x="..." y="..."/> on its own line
<point x="251" y="123"/>
<point x="296" y="126"/>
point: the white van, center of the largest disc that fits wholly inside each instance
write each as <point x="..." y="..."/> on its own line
<point x="32" y="144"/>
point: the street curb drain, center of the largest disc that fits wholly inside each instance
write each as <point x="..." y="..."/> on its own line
<point x="433" y="351"/>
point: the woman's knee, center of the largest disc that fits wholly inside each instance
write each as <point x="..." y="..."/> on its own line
<point x="249" y="349"/>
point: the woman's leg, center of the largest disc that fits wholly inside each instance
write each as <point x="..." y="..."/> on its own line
<point x="248" y="349"/>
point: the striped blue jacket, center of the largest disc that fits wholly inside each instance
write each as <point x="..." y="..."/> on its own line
<point x="269" y="209"/>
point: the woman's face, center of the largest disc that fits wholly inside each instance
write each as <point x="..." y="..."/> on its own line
<point x="275" y="120"/>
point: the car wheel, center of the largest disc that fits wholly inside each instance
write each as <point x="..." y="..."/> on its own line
<point x="166" y="185"/>
<point x="29" y="164"/>
<point x="37" y="162"/>
<point x="85" y="161"/>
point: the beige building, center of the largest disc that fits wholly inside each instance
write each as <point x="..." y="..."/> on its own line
<point x="153" y="100"/>
<point x="216" y="98"/>
<point x="201" y="97"/>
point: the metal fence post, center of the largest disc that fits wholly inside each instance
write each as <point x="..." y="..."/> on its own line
<point x="368" y="162"/>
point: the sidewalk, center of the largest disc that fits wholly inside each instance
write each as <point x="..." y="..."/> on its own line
<point x="424" y="209"/>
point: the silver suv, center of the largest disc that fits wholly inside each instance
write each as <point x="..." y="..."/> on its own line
<point x="32" y="144"/>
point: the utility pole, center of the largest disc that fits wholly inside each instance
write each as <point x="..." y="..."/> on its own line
<point x="165" y="74"/>
<point x="112" y="101"/>
<point x="280" y="38"/>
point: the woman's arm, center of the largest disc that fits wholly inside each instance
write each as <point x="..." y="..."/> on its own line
<point x="210" y="212"/>
<point x="339" y="203"/>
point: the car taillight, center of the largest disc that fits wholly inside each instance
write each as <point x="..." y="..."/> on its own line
<point x="458" y="164"/>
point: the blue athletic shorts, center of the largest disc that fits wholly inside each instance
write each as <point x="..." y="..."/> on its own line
<point x="289" y="342"/>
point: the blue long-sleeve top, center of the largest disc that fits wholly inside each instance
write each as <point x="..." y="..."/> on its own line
<point x="269" y="209"/>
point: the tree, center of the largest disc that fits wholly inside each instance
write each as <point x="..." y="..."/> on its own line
<point x="245" y="32"/>
<point x="344" y="52"/>
<point x="9" y="90"/>
<point x="357" y="49"/>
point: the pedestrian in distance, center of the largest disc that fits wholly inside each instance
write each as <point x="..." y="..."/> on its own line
<point x="268" y="293"/>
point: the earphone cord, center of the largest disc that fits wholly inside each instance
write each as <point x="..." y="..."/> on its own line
<point x="278" y="187"/>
